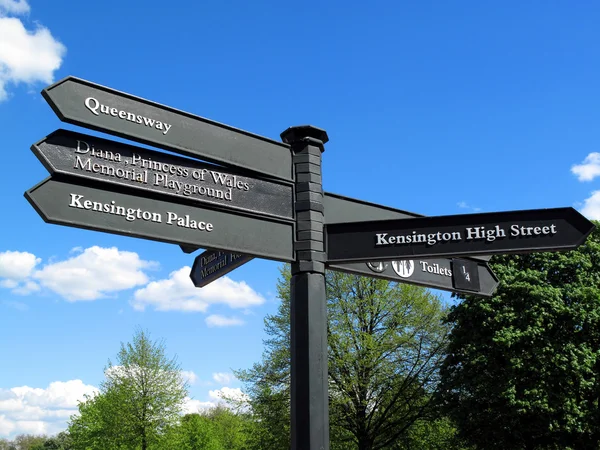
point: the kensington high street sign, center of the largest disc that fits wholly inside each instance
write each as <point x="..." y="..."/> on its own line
<point x="534" y="230"/>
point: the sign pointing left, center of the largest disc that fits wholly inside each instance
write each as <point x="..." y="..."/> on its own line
<point x="100" y="108"/>
<point x="76" y="205"/>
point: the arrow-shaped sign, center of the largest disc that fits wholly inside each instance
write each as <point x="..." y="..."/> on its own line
<point x="213" y="264"/>
<point x="466" y="234"/>
<point x="76" y="205"/>
<point x="431" y="273"/>
<point x="100" y="108"/>
<point x="91" y="158"/>
<point x="340" y="209"/>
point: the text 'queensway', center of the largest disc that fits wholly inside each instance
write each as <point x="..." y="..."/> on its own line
<point x="98" y="108"/>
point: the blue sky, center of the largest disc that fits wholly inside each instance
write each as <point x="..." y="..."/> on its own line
<point x="431" y="107"/>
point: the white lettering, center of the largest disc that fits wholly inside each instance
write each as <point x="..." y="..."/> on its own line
<point x="92" y="108"/>
<point x="381" y="239"/>
<point x="75" y="203"/>
<point x="96" y="108"/>
<point x="79" y="149"/>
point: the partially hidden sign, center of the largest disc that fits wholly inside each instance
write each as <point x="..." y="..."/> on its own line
<point x="213" y="264"/>
<point x="435" y="273"/>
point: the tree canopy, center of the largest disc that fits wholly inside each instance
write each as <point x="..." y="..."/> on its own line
<point x="522" y="369"/>
<point x="386" y="341"/>
<point x="141" y="397"/>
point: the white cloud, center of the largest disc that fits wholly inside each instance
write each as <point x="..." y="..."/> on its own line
<point x="15" y="269"/>
<point x="223" y="377"/>
<point x="40" y="411"/>
<point x="94" y="273"/>
<point x="229" y="397"/>
<point x="589" y="168"/>
<point x="591" y="206"/>
<point x="216" y="320"/>
<point x="9" y="284"/>
<point x="14" y="6"/>
<point x="465" y="205"/>
<point x="26" y="288"/>
<point x="26" y="56"/>
<point x="192" y="406"/>
<point x="17" y="265"/>
<point x="19" y="306"/>
<point x="189" y="376"/>
<point x="178" y="293"/>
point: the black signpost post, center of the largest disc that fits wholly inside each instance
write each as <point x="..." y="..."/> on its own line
<point x="308" y="302"/>
<point x="255" y="197"/>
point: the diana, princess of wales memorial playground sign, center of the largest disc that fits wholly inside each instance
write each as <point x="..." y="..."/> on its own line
<point x="241" y="196"/>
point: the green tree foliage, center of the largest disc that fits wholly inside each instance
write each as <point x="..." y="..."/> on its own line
<point x="141" y="398"/>
<point x="62" y="441"/>
<point x="215" y="429"/>
<point x="28" y="441"/>
<point x="385" y="344"/>
<point x="523" y="367"/>
<point x="195" y="431"/>
<point x="231" y="429"/>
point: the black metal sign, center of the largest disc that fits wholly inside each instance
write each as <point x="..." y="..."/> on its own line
<point x="467" y="234"/>
<point x="104" y="109"/>
<point x="76" y="205"/>
<point x="83" y="156"/>
<point x="430" y="273"/>
<point x="213" y="264"/>
<point x="340" y="209"/>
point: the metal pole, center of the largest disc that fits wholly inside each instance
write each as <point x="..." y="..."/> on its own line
<point x="309" y="396"/>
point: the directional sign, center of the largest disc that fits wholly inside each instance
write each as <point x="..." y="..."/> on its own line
<point x="340" y="209"/>
<point x="76" y="205"/>
<point x="466" y="234"/>
<point x="75" y="154"/>
<point x="431" y="273"/>
<point x="213" y="264"/>
<point x="104" y="109"/>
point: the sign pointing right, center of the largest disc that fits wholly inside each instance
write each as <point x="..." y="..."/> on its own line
<point x="458" y="235"/>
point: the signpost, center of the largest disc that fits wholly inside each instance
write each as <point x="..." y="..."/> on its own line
<point x="265" y="199"/>
<point x="467" y="234"/>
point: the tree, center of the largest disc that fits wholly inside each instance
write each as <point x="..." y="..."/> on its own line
<point x="5" y="444"/>
<point x="385" y="344"/>
<point x="194" y="432"/>
<point x="523" y="367"/>
<point x="28" y="441"/>
<point x="141" y="397"/>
